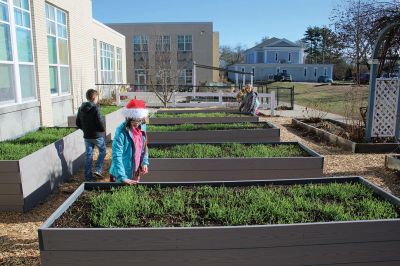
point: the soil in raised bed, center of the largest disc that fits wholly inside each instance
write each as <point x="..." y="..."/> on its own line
<point x="184" y="115"/>
<point x="227" y="150"/>
<point x="353" y="133"/>
<point x="31" y="142"/>
<point x="142" y="206"/>
<point x="196" y="127"/>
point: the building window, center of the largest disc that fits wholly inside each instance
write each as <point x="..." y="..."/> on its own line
<point x="276" y="57"/>
<point x="140" y="76"/>
<point x="325" y="71"/>
<point x="305" y="72"/>
<point x="260" y="57"/>
<point x="119" y="65"/>
<point x="58" y="51"/>
<point x="163" y="77"/>
<point x="17" y="69"/>
<point x="95" y="60"/>
<point x="290" y="57"/>
<point x="107" y="63"/>
<point x="315" y="71"/>
<point x="140" y="43"/>
<point x="163" y="43"/>
<point x="278" y="69"/>
<point x="185" y="77"/>
<point x="184" y="42"/>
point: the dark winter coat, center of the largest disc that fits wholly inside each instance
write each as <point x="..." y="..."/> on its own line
<point x="90" y="121"/>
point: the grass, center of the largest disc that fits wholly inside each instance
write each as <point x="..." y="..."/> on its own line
<point x="107" y="109"/>
<point x="332" y="99"/>
<point x="141" y="206"/>
<point x="228" y="150"/>
<point x="183" y="115"/>
<point x="193" y="127"/>
<point x="31" y="142"/>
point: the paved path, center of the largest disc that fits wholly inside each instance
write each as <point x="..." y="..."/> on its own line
<point x="300" y="112"/>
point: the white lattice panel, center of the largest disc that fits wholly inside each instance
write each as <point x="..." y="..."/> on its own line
<point x="385" y="108"/>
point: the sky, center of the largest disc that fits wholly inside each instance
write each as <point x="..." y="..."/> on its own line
<point x="238" y="22"/>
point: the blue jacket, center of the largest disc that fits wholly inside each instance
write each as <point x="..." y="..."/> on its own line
<point x="123" y="149"/>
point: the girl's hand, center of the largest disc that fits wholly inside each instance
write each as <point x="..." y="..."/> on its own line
<point x="145" y="169"/>
<point x="130" y="182"/>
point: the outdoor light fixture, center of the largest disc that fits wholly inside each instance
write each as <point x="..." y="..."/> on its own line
<point x="202" y="32"/>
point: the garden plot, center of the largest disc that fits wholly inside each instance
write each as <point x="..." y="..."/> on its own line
<point x="201" y="116"/>
<point x="285" y="222"/>
<point x="339" y="134"/>
<point x="32" y="166"/>
<point x="112" y="116"/>
<point x="228" y="132"/>
<point x="232" y="161"/>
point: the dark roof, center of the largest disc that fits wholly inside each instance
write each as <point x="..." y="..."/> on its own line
<point x="275" y="42"/>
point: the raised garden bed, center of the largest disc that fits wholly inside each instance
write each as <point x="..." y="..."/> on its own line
<point x="228" y="132"/>
<point x="282" y="222"/>
<point x="345" y="144"/>
<point x="392" y="162"/>
<point x="31" y="167"/>
<point x="200" y="116"/>
<point x="233" y="161"/>
<point x="112" y="116"/>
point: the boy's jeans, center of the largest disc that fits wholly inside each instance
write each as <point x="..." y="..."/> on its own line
<point x="101" y="145"/>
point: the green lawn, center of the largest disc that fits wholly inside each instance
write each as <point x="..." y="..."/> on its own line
<point x="338" y="99"/>
<point x="194" y="127"/>
<point x="107" y="109"/>
<point x="140" y="206"/>
<point x="31" y="142"/>
<point x="228" y="150"/>
<point x="182" y="115"/>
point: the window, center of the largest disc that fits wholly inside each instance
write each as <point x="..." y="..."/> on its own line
<point x="289" y="57"/>
<point x="305" y="72"/>
<point x="95" y="61"/>
<point x="276" y="57"/>
<point x="278" y="69"/>
<point x="163" y="43"/>
<point x="140" y="76"/>
<point x="107" y="63"/>
<point x="17" y="69"/>
<point x="325" y="71"/>
<point x="185" y="77"/>
<point x="260" y="57"/>
<point x="140" y="43"/>
<point x="163" y="76"/>
<point x="315" y="71"/>
<point x="184" y="42"/>
<point x="58" y="51"/>
<point x="119" y="65"/>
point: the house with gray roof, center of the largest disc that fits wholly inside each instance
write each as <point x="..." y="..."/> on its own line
<point x="274" y="56"/>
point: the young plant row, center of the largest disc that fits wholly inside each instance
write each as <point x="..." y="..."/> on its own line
<point x="31" y="142"/>
<point x="184" y="115"/>
<point x="194" y="127"/>
<point x="227" y="150"/>
<point x="140" y="206"/>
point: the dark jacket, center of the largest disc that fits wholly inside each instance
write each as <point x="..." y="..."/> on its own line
<point x="90" y="121"/>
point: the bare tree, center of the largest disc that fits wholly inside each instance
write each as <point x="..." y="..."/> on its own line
<point x="232" y="55"/>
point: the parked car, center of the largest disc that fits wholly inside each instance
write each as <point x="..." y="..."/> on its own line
<point x="324" y="79"/>
<point x="283" y="77"/>
<point x="364" y="78"/>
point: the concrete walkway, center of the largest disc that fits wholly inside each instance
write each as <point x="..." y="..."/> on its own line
<point x="299" y="111"/>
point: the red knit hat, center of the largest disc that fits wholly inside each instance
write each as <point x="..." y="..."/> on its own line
<point x="136" y="109"/>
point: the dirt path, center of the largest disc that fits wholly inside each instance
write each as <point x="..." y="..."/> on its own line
<point x="18" y="232"/>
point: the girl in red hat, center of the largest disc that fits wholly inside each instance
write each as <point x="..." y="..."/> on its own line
<point x="130" y="157"/>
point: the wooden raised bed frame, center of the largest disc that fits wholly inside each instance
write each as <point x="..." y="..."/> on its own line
<point x="346" y="144"/>
<point x="269" y="133"/>
<point x="373" y="242"/>
<point x="26" y="182"/>
<point x="200" y="120"/>
<point x="220" y="169"/>
<point x="111" y="122"/>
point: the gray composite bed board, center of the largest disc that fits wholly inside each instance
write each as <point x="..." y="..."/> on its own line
<point x="215" y="169"/>
<point x="374" y="242"/>
<point x="28" y="181"/>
